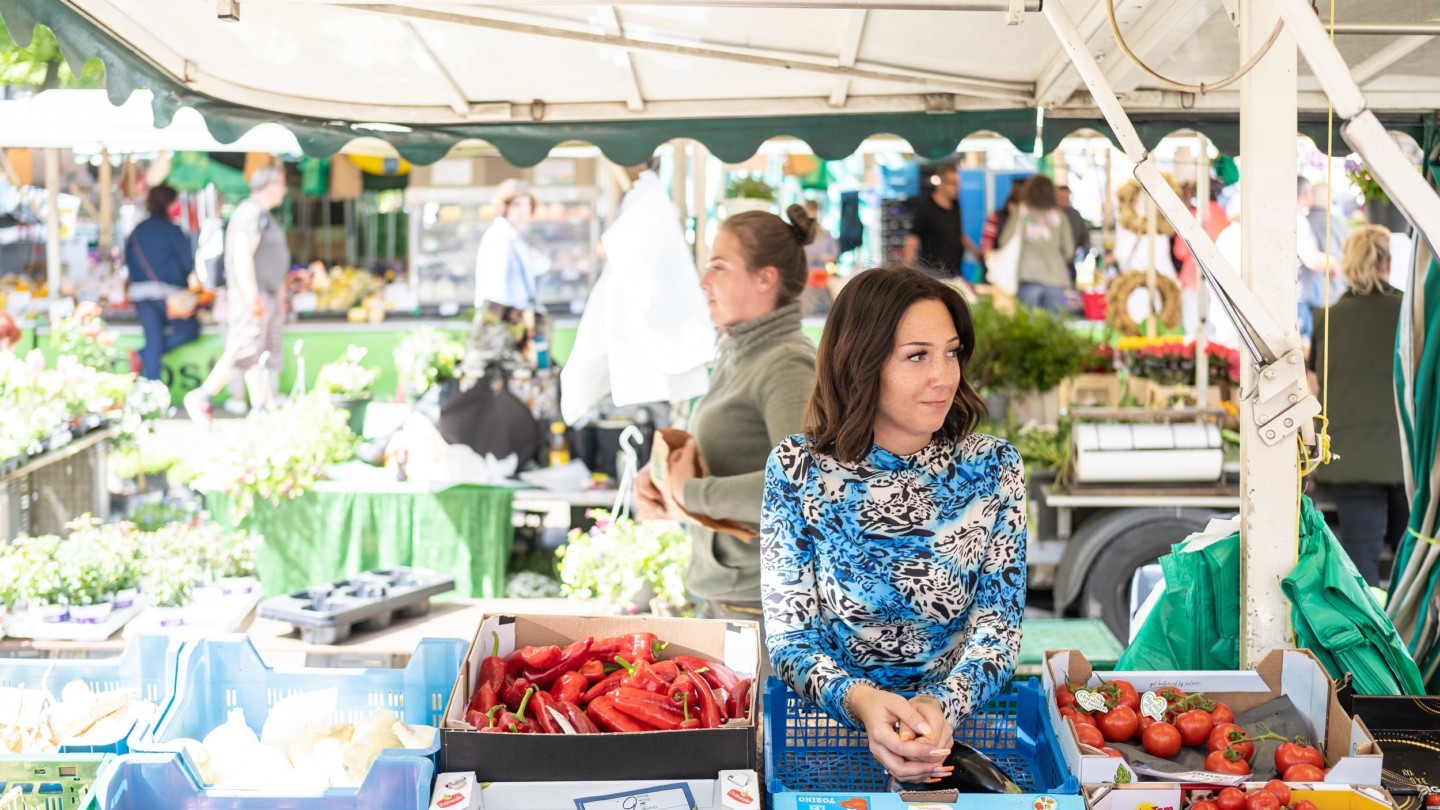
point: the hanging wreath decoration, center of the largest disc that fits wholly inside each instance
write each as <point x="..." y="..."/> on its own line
<point x="1132" y="216"/>
<point x="1123" y="290"/>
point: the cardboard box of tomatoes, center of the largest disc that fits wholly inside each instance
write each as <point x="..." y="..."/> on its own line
<point x="651" y="698"/>
<point x="1177" y="796"/>
<point x="1282" y="715"/>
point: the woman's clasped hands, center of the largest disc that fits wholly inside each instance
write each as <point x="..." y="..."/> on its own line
<point x="909" y="737"/>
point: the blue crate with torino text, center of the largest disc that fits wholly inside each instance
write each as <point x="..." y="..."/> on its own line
<point x="813" y="762"/>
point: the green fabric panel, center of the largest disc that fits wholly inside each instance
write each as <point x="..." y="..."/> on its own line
<point x="362" y="520"/>
<point x="192" y="171"/>
<point x="628" y="143"/>
<point x="314" y="176"/>
<point x="1223" y="129"/>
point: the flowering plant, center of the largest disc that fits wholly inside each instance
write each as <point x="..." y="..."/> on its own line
<point x="1359" y="174"/>
<point x="618" y="558"/>
<point x="281" y="454"/>
<point x="345" y="378"/>
<point x="1101" y="360"/>
<point x="428" y="357"/>
<point x="1171" y="360"/>
<point x="83" y="336"/>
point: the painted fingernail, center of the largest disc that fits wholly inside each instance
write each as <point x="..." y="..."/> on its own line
<point x="924" y="729"/>
<point x="939" y="752"/>
<point x="931" y="781"/>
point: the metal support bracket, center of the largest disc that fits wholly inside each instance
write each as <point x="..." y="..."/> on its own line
<point x="1015" y="14"/>
<point x="228" y="10"/>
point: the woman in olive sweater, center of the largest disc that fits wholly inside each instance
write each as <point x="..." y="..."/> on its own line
<point x="758" y="389"/>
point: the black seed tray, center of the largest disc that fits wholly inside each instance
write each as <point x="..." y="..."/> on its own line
<point x="331" y="613"/>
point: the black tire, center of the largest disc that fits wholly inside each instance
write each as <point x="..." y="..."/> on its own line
<point x="1106" y="593"/>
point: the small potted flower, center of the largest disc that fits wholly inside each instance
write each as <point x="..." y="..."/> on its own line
<point x="348" y="384"/>
<point x="627" y="566"/>
<point x="41" y="581"/>
<point x="427" y="358"/>
<point x="169" y="586"/>
<point x="232" y="561"/>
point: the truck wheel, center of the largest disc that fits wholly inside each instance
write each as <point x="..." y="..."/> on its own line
<point x="1106" y="593"/>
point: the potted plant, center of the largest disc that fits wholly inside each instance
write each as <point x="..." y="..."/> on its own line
<point x="169" y="584"/>
<point x="1022" y="353"/>
<point x="232" y="561"/>
<point x="426" y="358"/>
<point x="747" y="193"/>
<point x="40" y="577"/>
<point x="627" y="566"/>
<point x="83" y="336"/>
<point x="348" y="384"/>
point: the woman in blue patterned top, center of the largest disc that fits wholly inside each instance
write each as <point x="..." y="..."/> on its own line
<point x="893" y="537"/>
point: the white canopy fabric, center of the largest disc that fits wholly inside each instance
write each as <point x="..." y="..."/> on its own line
<point x="348" y="68"/>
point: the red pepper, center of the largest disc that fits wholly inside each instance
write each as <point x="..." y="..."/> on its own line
<point x="513" y="692"/>
<point x="540" y="702"/>
<point x="642" y="676"/>
<point x="737" y="703"/>
<point x="532" y="659"/>
<point x="683" y="690"/>
<point x="492" y="669"/>
<point x="633" y="647"/>
<point x="570" y="687"/>
<point x="485" y="721"/>
<point x="517" y="722"/>
<point x="667" y="670"/>
<point x="594" y="669"/>
<point x="709" y="708"/>
<point x="604" y="686"/>
<point x="484" y="698"/>
<point x="570" y="659"/>
<point x="648" y="707"/>
<point x="718" y="675"/>
<point x="688" y="722"/>
<point x="576" y="716"/>
<point x="603" y="711"/>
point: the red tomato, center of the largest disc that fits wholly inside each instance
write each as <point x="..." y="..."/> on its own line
<point x="1231" y="799"/>
<point x="1126" y="695"/>
<point x="1205" y="806"/>
<point x="1161" y="740"/>
<point x="1119" y="724"/>
<point x="1081" y="718"/>
<point x="1145" y="723"/>
<point x="1067" y="712"/>
<point x="1064" y="697"/>
<point x="1194" y="727"/>
<point x="1303" y="772"/>
<point x="1296" y="753"/>
<point x="1226" y="735"/>
<point x="1089" y="735"/>
<point x="1220" y="762"/>
<point x="1303" y="804"/>
<point x="1262" y="800"/>
<point x="1281" y="791"/>
<point x="1111" y="752"/>
<point x="1222" y="714"/>
<point x="1433" y="800"/>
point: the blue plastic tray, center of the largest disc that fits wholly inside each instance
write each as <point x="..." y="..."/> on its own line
<point x="145" y="667"/>
<point x="806" y="751"/>
<point x="52" y="781"/>
<point x="166" y="782"/>
<point x="220" y="674"/>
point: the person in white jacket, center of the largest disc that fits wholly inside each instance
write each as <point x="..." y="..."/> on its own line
<point x="506" y="266"/>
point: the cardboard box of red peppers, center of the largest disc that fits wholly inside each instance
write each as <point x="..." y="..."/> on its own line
<point x="651" y="699"/>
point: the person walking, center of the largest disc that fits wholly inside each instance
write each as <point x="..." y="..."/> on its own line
<point x="257" y="260"/>
<point x="936" y="243"/>
<point x="1367" y="479"/>
<point x="506" y="266"/>
<point x="1047" y="249"/>
<point x="160" y="261"/>
<point x="761" y="379"/>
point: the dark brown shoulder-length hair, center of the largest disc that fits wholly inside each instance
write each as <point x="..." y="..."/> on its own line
<point x="858" y="340"/>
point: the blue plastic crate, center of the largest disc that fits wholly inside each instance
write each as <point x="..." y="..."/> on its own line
<point x="166" y="782"/>
<point x="145" y="667"/>
<point x="51" y="781"/>
<point x="220" y="674"/>
<point x="806" y="751"/>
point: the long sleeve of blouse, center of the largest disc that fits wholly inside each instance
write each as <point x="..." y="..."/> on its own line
<point x="902" y="572"/>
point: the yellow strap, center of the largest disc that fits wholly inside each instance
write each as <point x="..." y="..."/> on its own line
<point x="1418" y="536"/>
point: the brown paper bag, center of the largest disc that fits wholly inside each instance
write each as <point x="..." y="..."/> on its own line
<point x="668" y="443"/>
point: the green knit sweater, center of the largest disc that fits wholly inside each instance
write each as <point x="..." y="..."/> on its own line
<point x="758" y="389"/>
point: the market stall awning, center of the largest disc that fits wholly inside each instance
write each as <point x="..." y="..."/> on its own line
<point x="627" y="77"/>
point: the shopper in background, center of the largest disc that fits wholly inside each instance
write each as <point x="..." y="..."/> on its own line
<point x="819" y="256"/>
<point x="1048" y="249"/>
<point x="1216" y="221"/>
<point x="936" y="243"/>
<point x="995" y="223"/>
<point x="893" y="535"/>
<point x="1079" y="227"/>
<point x="762" y="377"/>
<point x="1318" y="269"/>
<point x="1367" y="478"/>
<point x="257" y="260"/>
<point x="1331" y="231"/>
<point x="506" y="267"/>
<point x="160" y="261"/>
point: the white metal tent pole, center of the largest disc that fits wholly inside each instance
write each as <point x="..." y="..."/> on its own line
<point x="699" y="186"/>
<point x="1269" y="475"/>
<point x="1202" y="303"/>
<point x="680" y="179"/>
<point x="52" y="222"/>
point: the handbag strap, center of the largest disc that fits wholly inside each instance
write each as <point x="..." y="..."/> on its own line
<point x="145" y="263"/>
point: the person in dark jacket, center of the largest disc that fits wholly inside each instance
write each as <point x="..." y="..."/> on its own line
<point x="160" y="259"/>
<point x="1367" y="480"/>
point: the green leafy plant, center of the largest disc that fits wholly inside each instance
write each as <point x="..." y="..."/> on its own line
<point x="345" y="378"/>
<point x="617" y="558"/>
<point x="83" y="336"/>
<point x="428" y="357"/>
<point x="749" y="187"/>
<point x="1370" y="189"/>
<point x="41" y="64"/>
<point x="1027" y="350"/>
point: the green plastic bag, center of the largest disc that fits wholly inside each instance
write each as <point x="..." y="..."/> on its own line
<point x="1196" y="623"/>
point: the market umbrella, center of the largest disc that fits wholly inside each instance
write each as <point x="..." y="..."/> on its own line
<point x="1417" y="394"/>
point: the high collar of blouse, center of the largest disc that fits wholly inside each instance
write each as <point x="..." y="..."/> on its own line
<point x="763" y="329"/>
<point x="921" y="460"/>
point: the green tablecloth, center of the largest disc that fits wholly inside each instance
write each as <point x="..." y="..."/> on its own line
<point x="363" y="519"/>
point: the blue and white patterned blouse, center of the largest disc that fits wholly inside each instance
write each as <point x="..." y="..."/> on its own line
<point x="903" y="572"/>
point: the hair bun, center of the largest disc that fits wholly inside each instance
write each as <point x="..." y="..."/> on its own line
<point x="802" y="225"/>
